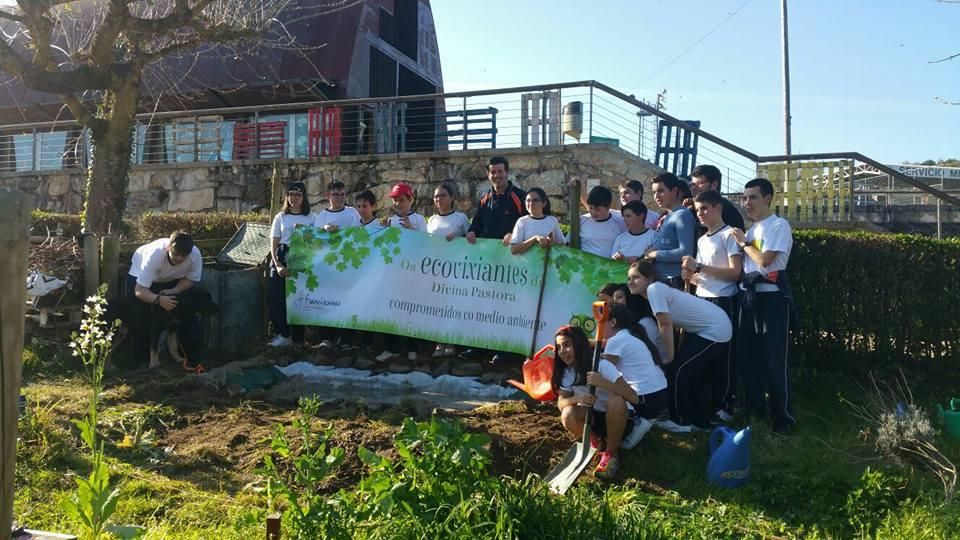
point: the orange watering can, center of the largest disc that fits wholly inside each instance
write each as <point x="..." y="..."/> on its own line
<point x="537" y="374"/>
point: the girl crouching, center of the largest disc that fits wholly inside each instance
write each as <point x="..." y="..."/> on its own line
<point x="612" y="412"/>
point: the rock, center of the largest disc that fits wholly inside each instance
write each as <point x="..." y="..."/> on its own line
<point x="443" y="368"/>
<point x="423" y="367"/>
<point x="235" y="390"/>
<point x="364" y="362"/>
<point x="191" y="201"/>
<point x="344" y="362"/>
<point x="467" y="368"/>
<point x="58" y="186"/>
<point x="159" y="181"/>
<point x="321" y="358"/>
<point x="400" y="365"/>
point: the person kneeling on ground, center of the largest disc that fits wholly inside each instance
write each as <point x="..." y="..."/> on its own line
<point x="159" y="271"/>
<point x="612" y="412"/>
<point x="636" y="357"/>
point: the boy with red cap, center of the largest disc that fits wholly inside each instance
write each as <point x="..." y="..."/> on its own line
<point x="404" y="215"/>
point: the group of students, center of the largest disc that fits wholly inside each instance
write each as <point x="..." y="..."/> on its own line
<point x="675" y="357"/>
<point x="734" y="326"/>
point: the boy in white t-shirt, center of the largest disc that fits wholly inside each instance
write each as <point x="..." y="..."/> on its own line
<point x="715" y="272"/>
<point x="366" y="205"/>
<point x="633" y="244"/>
<point x="338" y="215"/>
<point x="632" y="190"/>
<point x="765" y="312"/>
<point x="404" y="215"/>
<point x="707" y="329"/>
<point x="599" y="227"/>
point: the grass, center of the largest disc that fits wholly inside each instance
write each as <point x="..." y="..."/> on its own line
<point x="810" y="485"/>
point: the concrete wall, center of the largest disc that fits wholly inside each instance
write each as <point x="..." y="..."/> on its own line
<point x="245" y="186"/>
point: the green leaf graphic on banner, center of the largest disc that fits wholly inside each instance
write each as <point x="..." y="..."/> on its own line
<point x="593" y="272"/>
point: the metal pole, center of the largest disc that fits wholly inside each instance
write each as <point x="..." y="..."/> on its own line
<point x="786" y="78"/>
<point x="590" y="134"/>
<point x="939" y="221"/>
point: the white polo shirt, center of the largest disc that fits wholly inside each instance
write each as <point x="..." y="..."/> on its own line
<point x="597" y="237"/>
<point x="715" y="250"/>
<point x="636" y="363"/>
<point x="343" y="218"/>
<point x="150" y="264"/>
<point x="695" y="315"/>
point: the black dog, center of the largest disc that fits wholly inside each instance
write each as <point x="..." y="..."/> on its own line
<point x="145" y="323"/>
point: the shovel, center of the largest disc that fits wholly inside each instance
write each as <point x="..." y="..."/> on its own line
<point x="578" y="457"/>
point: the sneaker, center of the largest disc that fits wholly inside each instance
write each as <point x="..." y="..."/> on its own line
<point x="450" y="350"/>
<point x="597" y="443"/>
<point x="640" y="428"/>
<point x="281" y="341"/>
<point x="412" y="356"/>
<point x="673" y="427"/>
<point x="439" y="351"/>
<point x="608" y="466"/>
<point x="327" y="344"/>
<point x="386" y="356"/>
<point x="273" y="342"/>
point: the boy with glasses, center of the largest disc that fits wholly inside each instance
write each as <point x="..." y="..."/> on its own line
<point x="338" y="215"/>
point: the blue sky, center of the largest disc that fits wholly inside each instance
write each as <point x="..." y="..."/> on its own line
<point x="860" y="73"/>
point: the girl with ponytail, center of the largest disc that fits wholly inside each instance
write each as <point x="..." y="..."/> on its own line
<point x="637" y="358"/>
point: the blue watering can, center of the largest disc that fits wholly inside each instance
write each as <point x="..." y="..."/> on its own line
<point x="729" y="464"/>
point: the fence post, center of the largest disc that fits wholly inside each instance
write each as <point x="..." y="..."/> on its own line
<point x="91" y="265"/>
<point x="109" y="261"/>
<point x="273" y="527"/>
<point x="14" y="223"/>
<point x="36" y="151"/>
<point x="573" y="215"/>
<point x="276" y="191"/>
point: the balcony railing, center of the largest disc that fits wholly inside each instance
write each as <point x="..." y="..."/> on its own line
<point x="520" y="117"/>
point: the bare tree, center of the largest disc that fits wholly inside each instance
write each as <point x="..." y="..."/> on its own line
<point x="96" y="55"/>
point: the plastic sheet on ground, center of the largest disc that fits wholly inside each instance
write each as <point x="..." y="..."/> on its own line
<point x="392" y="387"/>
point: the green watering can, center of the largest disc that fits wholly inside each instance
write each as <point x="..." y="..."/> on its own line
<point x="951" y="418"/>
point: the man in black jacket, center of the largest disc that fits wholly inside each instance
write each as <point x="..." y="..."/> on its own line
<point x="500" y="207"/>
<point x="497" y="213"/>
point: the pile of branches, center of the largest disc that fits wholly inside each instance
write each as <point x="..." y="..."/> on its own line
<point x="61" y="258"/>
<point x="902" y="432"/>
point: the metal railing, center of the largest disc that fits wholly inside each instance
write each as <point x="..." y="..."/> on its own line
<point x="529" y="116"/>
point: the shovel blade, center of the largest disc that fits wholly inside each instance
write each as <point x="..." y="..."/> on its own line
<point x="566" y="472"/>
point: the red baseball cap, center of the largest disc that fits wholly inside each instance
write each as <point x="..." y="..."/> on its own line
<point x="400" y="190"/>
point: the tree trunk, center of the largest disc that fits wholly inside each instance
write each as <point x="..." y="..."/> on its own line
<point x="106" y="193"/>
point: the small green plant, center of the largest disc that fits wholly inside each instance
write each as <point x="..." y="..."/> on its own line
<point x="296" y="476"/>
<point x="94" y="502"/>
<point x="877" y="495"/>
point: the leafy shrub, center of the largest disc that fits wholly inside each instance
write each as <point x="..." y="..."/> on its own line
<point x="877" y="495"/>
<point x="887" y="299"/>
<point x="200" y="225"/>
<point x="68" y="224"/>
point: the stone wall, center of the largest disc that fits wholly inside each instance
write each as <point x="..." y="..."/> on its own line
<point x="245" y="186"/>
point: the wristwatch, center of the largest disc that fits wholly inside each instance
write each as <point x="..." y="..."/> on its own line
<point x="699" y="268"/>
<point x="743" y="245"/>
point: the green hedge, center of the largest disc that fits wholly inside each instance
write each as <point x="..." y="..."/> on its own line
<point x="69" y="224"/>
<point x="884" y="299"/>
<point x="201" y="225"/>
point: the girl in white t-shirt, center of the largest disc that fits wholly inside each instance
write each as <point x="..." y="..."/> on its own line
<point x="640" y="309"/>
<point x="294" y="213"/>
<point x="632" y="352"/>
<point x="450" y="224"/>
<point x="447" y="222"/>
<point x="539" y="227"/>
<point x="612" y="413"/>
